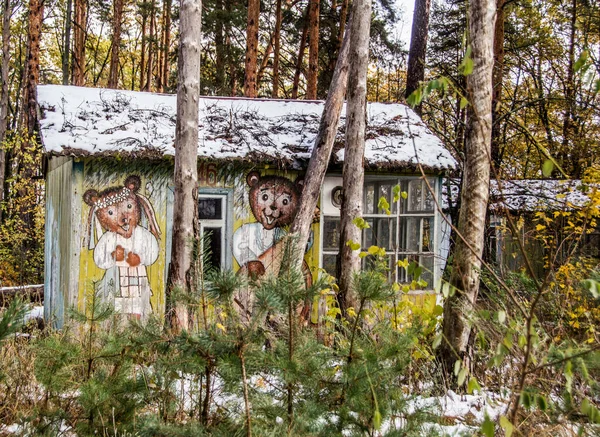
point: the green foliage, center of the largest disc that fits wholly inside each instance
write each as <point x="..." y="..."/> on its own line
<point x="12" y="318"/>
<point x="22" y="224"/>
<point x="263" y="370"/>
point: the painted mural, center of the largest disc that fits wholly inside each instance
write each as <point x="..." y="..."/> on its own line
<point x="274" y="201"/>
<point x="123" y="233"/>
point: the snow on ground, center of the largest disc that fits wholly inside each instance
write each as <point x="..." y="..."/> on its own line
<point x="457" y="414"/>
<point x="83" y="121"/>
<point x="462" y="414"/>
<point x="35" y="312"/>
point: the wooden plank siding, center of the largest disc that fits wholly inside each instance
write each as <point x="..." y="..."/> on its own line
<point x="58" y="236"/>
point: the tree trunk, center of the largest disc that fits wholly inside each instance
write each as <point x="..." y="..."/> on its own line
<point x="185" y="207"/>
<point x="143" y="49"/>
<point x="300" y="58"/>
<point x="265" y="61"/>
<point x="79" y="36"/>
<point x="418" y="48"/>
<point x="160" y="50"/>
<point x="277" y="50"/>
<point x="167" y="43"/>
<point x="475" y="186"/>
<point x="66" y="70"/>
<point x="250" y="85"/>
<point x="231" y="62"/>
<point x="219" y="49"/>
<point x="497" y="82"/>
<point x="321" y="153"/>
<point x="97" y="70"/>
<point x="340" y="31"/>
<point x="569" y="155"/>
<point x="113" y="74"/>
<point x="36" y="13"/>
<point x="353" y="171"/>
<point x="25" y="161"/>
<point x="7" y="10"/>
<point x="151" y="47"/>
<point x="313" y="50"/>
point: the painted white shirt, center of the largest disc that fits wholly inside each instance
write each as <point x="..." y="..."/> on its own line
<point x="252" y="240"/>
<point x="141" y="242"/>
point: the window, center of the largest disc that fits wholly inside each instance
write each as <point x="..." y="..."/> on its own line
<point x="214" y="228"/>
<point x="407" y="232"/>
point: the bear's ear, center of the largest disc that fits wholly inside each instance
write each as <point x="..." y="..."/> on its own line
<point x="133" y="182"/>
<point x="299" y="183"/>
<point x="90" y="197"/>
<point x="253" y="178"/>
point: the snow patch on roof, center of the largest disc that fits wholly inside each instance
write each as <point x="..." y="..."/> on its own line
<point x="89" y="121"/>
<point x="528" y="194"/>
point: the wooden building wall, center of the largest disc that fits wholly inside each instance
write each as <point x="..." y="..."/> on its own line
<point x="58" y="234"/>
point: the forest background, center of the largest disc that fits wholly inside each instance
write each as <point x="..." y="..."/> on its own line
<point x="545" y="81"/>
<point x="545" y="110"/>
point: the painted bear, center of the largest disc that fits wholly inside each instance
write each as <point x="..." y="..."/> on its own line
<point x="124" y="247"/>
<point x="274" y="201"/>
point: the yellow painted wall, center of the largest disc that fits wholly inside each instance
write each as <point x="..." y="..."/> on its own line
<point x="244" y="215"/>
<point x="154" y="189"/>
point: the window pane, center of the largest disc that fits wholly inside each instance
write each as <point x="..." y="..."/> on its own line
<point x="427" y="237"/>
<point x="210" y="208"/>
<point x="410" y="234"/>
<point x="370" y="201"/>
<point x="421" y="267"/>
<point x="330" y="264"/>
<point x="212" y="250"/>
<point x="386" y="189"/>
<point x="374" y="191"/>
<point x="381" y="233"/>
<point x="415" y="191"/>
<point x="416" y="234"/>
<point x="331" y="233"/>
<point x="419" y="197"/>
<point x="428" y="203"/>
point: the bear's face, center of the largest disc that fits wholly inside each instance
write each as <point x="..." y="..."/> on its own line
<point x="118" y="209"/>
<point x="121" y="217"/>
<point x="273" y="199"/>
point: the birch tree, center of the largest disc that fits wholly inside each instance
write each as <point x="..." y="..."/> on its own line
<point x="7" y="9"/>
<point x="185" y="207"/>
<point x="321" y="152"/>
<point x="353" y="171"/>
<point x="475" y="185"/>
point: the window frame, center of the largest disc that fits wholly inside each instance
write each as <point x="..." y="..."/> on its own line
<point x="396" y="252"/>
<point x="226" y="222"/>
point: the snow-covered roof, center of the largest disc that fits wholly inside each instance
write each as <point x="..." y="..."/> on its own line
<point x="529" y="194"/>
<point x="90" y="121"/>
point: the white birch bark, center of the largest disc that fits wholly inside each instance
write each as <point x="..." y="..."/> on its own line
<point x="6" y="14"/>
<point x="185" y="208"/>
<point x="353" y="172"/>
<point x="475" y="185"/>
<point x="321" y="153"/>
